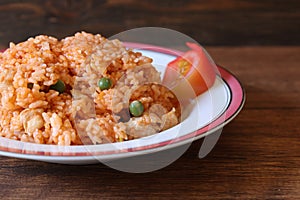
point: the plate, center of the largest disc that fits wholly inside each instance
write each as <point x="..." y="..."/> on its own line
<point x="211" y="111"/>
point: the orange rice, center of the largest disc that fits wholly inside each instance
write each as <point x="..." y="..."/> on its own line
<point x="83" y="114"/>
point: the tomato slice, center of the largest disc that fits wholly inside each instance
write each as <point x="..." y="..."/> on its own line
<point x="195" y="66"/>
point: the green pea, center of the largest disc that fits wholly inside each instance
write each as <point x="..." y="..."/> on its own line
<point x="59" y="86"/>
<point x="136" y="108"/>
<point x="30" y="85"/>
<point x="104" y="83"/>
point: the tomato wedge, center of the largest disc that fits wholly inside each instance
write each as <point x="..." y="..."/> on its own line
<point x="195" y="66"/>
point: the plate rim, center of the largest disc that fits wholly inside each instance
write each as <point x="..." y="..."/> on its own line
<point x="237" y="101"/>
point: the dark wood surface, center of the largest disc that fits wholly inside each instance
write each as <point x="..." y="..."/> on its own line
<point x="258" y="154"/>
<point x="210" y="22"/>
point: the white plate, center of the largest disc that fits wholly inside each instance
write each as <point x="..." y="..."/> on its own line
<point x="212" y="111"/>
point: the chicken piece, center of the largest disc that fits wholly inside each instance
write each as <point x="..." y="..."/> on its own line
<point x="149" y="124"/>
<point x="31" y="120"/>
<point x="169" y="120"/>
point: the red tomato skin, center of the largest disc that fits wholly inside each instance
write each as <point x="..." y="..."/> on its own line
<point x="202" y="73"/>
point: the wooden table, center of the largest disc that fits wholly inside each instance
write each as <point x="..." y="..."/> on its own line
<point x="210" y="22"/>
<point x="257" y="156"/>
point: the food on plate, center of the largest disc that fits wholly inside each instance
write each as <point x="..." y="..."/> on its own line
<point x="136" y="108"/>
<point x="195" y="67"/>
<point x="83" y="89"/>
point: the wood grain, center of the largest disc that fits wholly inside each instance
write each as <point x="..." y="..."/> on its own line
<point x="210" y="22"/>
<point x="257" y="156"/>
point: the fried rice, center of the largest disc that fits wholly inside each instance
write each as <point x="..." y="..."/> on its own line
<point x="31" y="111"/>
